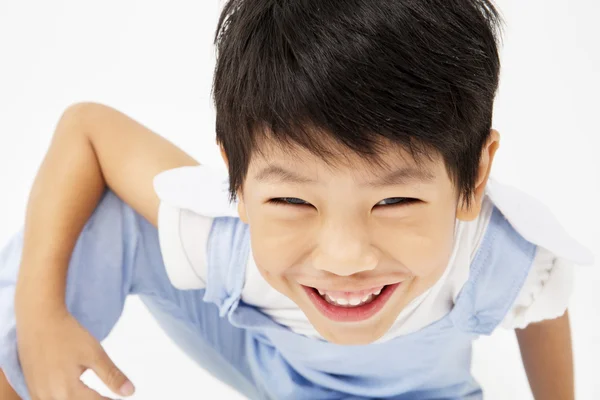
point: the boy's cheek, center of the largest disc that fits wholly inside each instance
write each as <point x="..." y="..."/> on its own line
<point x="276" y="257"/>
<point x="423" y="254"/>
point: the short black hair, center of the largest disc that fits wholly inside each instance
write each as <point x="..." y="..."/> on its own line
<point x="422" y="74"/>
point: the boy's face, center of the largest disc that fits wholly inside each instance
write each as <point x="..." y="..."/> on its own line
<point x="348" y="246"/>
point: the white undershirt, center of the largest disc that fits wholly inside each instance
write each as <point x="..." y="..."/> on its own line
<point x="184" y="234"/>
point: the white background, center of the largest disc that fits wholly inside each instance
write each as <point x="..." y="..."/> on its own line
<point x="154" y="60"/>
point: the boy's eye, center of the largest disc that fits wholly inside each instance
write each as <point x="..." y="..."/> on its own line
<point x="288" y="201"/>
<point x="391" y="201"/>
<point x="396" y="201"/>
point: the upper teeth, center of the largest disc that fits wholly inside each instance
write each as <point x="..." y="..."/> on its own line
<point x="353" y="301"/>
<point x="350" y="298"/>
<point x="322" y="293"/>
<point x="349" y="301"/>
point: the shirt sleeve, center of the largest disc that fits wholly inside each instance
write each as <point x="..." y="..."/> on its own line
<point x="183" y="237"/>
<point x="546" y="292"/>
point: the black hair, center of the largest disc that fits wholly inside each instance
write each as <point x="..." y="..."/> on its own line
<point x="421" y="74"/>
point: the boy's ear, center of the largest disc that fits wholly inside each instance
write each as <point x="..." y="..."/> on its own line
<point x="241" y="206"/>
<point x="485" y="166"/>
<point x="242" y="210"/>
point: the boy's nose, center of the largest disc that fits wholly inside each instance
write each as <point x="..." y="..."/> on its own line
<point x="343" y="266"/>
<point x="345" y="250"/>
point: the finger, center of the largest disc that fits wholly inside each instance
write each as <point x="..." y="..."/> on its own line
<point x="112" y="376"/>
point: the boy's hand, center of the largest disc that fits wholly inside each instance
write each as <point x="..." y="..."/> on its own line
<point x="54" y="350"/>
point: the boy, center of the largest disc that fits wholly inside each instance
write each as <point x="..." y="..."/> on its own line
<point x="368" y="246"/>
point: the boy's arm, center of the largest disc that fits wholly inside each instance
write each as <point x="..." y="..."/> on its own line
<point x="93" y="146"/>
<point x="548" y="358"/>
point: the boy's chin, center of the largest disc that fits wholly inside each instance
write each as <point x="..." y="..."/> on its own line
<point x="359" y="333"/>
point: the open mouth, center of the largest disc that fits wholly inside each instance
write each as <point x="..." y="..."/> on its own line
<point x="353" y="308"/>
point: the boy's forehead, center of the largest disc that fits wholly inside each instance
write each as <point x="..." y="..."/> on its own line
<point x="279" y="160"/>
<point x="318" y="146"/>
<point x="270" y="150"/>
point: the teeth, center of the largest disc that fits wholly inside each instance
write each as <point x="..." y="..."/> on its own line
<point x="377" y="292"/>
<point x="330" y="299"/>
<point x="354" y="301"/>
<point x="341" y="302"/>
<point x="321" y="292"/>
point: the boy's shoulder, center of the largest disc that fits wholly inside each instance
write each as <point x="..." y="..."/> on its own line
<point x="533" y="220"/>
<point x="202" y="189"/>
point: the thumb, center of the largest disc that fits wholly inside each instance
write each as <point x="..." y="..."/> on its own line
<point x="112" y="376"/>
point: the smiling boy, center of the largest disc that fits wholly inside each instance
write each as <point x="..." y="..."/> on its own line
<point x="355" y="247"/>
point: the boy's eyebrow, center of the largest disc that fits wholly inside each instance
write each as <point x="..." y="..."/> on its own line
<point x="277" y="174"/>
